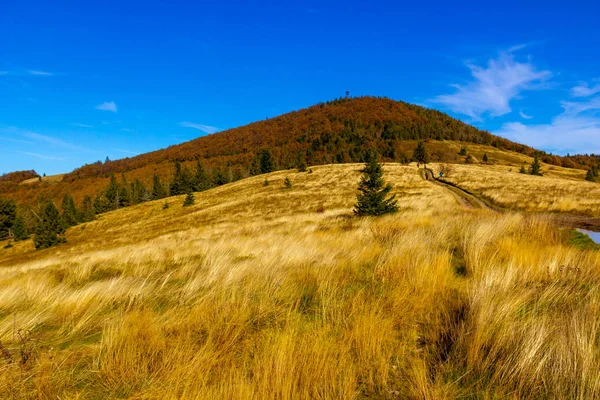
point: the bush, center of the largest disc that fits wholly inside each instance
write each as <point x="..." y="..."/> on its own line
<point x="287" y="184"/>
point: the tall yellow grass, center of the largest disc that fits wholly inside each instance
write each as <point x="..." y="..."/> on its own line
<point x="254" y="293"/>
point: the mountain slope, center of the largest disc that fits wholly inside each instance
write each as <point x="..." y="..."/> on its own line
<point x="332" y="132"/>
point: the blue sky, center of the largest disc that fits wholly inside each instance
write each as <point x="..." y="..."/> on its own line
<point x="80" y="82"/>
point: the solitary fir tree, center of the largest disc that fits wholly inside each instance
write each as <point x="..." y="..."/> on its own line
<point x="373" y="198"/>
<point x="49" y="231"/>
<point x="20" y="230"/>
<point x="189" y="199"/>
<point x="590" y="176"/>
<point x="522" y="170"/>
<point x="463" y="151"/>
<point x="287" y="184"/>
<point x="485" y="157"/>
<point x="421" y="155"/>
<point x="536" y="166"/>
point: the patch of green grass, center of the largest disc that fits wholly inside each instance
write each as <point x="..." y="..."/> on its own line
<point x="582" y="241"/>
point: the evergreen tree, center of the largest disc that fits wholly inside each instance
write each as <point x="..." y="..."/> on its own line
<point x="218" y="177"/>
<point x="522" y="170"/>
<point x="266" y="163"/>
<point x="421" y="155"/>
<point x="302" y="165"/>
<point x="485" y="157"/>
<point x="8" y="214"/>
<point x="287" y="184"/>
<point x="536" y="166"/>
<point x="50" y="231"/>
<point x="158" y="190"/>
<point x="88" y="212"/>
<point x="372" y="198"/>
<point x="112" y="193"/>
<point x="101" y="204"/>
<point x="201" y="179"/>
<point x="176" y="187"/>
<point x="69" y="211"/>
<point x="124" y="194"/>
<point x="189" y="199"/>
<point x="463" y="151"/>
<point x="590" y="176"/>
<point x="266" y="182"/>
<point x="20" y="230"/>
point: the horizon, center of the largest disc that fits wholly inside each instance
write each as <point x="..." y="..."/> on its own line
<point x="84" y="83"/>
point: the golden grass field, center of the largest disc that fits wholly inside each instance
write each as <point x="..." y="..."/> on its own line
<point x="559" y="190"/>
<point x="265" y="293"/>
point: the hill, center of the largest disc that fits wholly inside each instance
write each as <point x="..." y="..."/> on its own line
<point x="261" y="292"/>
<point x="334" y="132"/>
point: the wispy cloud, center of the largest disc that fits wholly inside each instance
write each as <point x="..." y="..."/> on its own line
<point x="525" y="116"/>
<point x="126" y="151"/>
<point x="107" y="106"/>
<point x="15" y="140"/>
<point x="584" y="90"/>
<point x="37" y="138"/>
<point x="575" y="130"/>
<point x="39" y="73"/>
<point x="81" y="125"/>
<point x="493" y="86"/>
<point x="42" y="156"/>
<point x="203" y="128"/>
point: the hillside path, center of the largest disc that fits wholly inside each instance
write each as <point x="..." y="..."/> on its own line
<point x="463" y="198"/>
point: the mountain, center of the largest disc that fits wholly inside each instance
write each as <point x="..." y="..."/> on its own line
<point x="337" y="131"/>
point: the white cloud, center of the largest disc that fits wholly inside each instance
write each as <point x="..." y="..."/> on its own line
<point x="523" y="115"/>
<point x="42" y="156"/>
<point x="107" y="106"/>
<point x="584" y="90"/>
<point x="82" y="125"/>
<point x="493" y="86"/>
<point x="203" y="128"/>
<point x="12" y="131"/>
<point x="40" y="73"/>
<point x="575" y="130"/>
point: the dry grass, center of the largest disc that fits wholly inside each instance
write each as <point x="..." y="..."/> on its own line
<point x="257" y="293"/>
<point x="559" y="190"/>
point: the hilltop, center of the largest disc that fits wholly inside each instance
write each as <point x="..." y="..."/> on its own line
<point x="333" y="132"/>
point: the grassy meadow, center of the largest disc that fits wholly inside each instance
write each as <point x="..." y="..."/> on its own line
<point x="261" y="292"/>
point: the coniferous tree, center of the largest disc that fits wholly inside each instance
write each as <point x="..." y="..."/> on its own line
<point x="421" y="155"/>
<point x="218" y="177"/>
<point x="266" y="163"/>
<point x="485" y="157"/>
<point x="112" y="193"/>
<point x="536" y="166"/>
<point x="50" y="231"/>
<point x="590" y="176"/>
<point x="373" y="198"/>
<point x="287" y="184"/>
<point x="8" y="214"/>
<point x="158" y="190"/>
<point x="101" y="204"/>
<point x="189" y="199"/>
<point x="20" y="230"/>
<point x="463" y="151"/>
<point x="201" y="179"/>
<point x="124" y="194"/>
<point x="266" y="182"/>
<point x="522" y="170"/>
<point x="176" y="187"/>
<point x="88" y="212"/>
<point x="69" y="211"/>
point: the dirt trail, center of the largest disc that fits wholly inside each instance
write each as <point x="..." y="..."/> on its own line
<point x="462" y="197"/>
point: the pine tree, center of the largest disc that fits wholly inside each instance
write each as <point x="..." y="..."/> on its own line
<point x="112" y="193"/>
<point x="266" y="182"/>
<point x="372" y="198"/>
<point x="176" y="186"/>
<point x="8" y="214"/>
<point x="287" y="184"/>
<point x="485" y="157"/>
<point x="266" y="163"/>
<point x="219" y="178"/>
<point x="201" y="179"/>
<point x="302" y="165"/>
<point x="590" y="176"/>
<point x="88" y="212"/>
<point x="522" y="170"/>
<point x="421" y="155"/>
<point x="124" y="194"/>
<point x="50" y="231"/>
<point x="536" y="166"/>
<point x="20" y="230"/>
<point x="463" y="151"/>
<point x="189" y="199"/>
<point x="69" y="211"/>
<point x="158" y="190"/>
